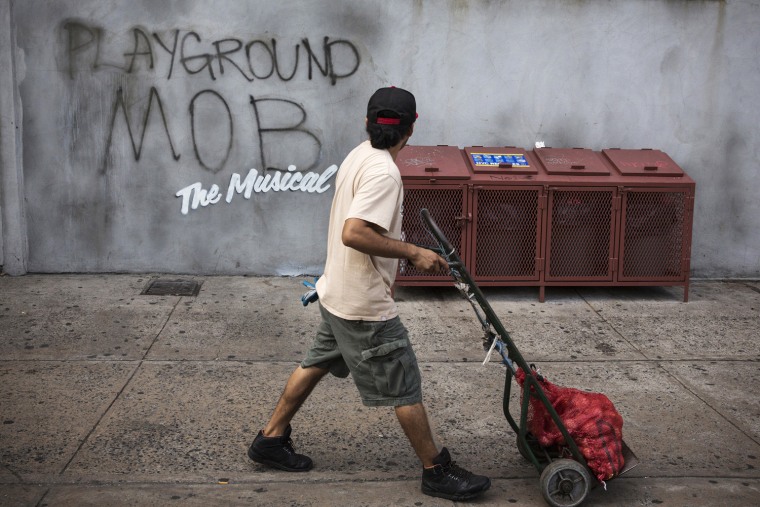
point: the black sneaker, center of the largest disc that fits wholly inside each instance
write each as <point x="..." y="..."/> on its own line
<point x="278" y="452"/>
<point x="448" y="480"/>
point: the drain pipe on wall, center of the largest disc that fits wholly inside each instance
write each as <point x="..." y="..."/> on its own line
<point x="13" y="242"/>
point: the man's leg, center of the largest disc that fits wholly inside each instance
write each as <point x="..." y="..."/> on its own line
<point x="414" y="422"/>
<point x="441" y="477"/>
<point x="272" y="446"/>
<point x="298" y="388"/>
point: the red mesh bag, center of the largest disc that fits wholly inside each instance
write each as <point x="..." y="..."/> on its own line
<point x="590" y="419"/>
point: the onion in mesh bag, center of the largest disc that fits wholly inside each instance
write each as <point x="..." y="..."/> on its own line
<point x="590" y="419"/>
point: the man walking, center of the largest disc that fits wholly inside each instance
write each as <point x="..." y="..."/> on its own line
<point x="361" y="332"/>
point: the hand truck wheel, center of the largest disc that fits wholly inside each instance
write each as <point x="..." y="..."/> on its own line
<point x="565" y="483"/>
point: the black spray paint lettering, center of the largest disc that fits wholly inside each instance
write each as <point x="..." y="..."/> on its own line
<point x="80" y="38"/>
<point x="142" y="48"/>
<point x="255" y="59"/>
<point x="265" y="135"/>
<point x="172" y="51"/>
<point x="120" y="105"/>
<point x="195" y="196"/>
<point x="293" y="128"/>
<point x="231" y="129"/>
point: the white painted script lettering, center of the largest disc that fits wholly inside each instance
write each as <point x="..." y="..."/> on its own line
<point x="194" y="196"/>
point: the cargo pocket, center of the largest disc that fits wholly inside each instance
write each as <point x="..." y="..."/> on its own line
<point x="393" y="368"/>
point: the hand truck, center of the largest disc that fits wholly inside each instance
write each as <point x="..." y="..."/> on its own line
<point x="566" y="478"/>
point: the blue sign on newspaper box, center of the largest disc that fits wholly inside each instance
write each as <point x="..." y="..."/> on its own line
<point x="499" y="159"/>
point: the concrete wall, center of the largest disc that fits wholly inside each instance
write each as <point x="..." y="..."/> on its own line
<point x="127" y="104"/>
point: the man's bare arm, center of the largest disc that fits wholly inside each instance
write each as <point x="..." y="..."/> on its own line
<point x="366" y="237"/>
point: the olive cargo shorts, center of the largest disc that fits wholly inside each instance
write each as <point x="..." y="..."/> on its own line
<point x="378" y="355"/>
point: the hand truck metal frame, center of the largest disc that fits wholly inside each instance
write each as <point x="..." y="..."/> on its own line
<point x="566" y="478"/>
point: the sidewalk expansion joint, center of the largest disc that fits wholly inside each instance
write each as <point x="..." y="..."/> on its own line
<point x="121" y="391"/>
<point x="614" y="329"/>
<point x="707" y="402"/>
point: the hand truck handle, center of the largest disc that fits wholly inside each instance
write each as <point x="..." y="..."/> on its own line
<point x="433" y="229"/>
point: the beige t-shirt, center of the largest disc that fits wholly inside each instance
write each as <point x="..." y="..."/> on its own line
<point x="356" y="286"/>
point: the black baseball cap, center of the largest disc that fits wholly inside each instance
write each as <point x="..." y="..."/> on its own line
<point x="392" y="106"/>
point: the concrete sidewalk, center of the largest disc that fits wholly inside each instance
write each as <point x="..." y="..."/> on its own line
<point x="109" y="397"/>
